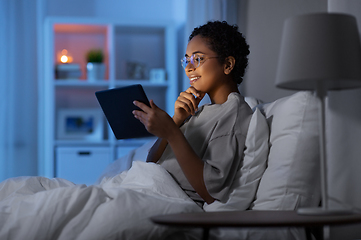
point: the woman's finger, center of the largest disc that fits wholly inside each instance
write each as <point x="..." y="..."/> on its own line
<point x="197" y="95"/>
<point x="185" y="103"/>
<point x="153" y="105"/>
<point x="190" y="99"/>
<point x="199" y="99"/>
<point x="142" y="106"/>
<point x="193" y="91"/>
<point x="139" y="115"/>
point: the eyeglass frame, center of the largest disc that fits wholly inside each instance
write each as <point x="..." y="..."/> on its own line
<point x="185" y="60"/>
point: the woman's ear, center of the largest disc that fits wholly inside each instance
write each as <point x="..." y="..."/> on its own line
<point x="229" y="65"/>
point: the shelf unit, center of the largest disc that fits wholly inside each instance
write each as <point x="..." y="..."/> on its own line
<point x="152" y="44"/>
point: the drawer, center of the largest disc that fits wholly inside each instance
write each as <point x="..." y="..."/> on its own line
<point x="81" y="164"/>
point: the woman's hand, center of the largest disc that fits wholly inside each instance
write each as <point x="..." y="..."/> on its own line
<point x="186" y="104"/>
<point x="155" y="120"/>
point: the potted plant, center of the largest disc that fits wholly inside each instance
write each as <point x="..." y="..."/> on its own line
<point x="95" y="65"/>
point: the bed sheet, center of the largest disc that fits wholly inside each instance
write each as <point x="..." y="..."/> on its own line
<point x="117" y="208"/>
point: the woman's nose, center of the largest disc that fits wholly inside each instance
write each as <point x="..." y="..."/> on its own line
<point x="189" y="67"/>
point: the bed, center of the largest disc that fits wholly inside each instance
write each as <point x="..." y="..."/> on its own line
<point x="279" y="172"/>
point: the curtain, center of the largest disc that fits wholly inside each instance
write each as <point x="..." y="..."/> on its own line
<point x="18" y="88"/>
<point x="343" y="127"/>
<point x="343" y="134"/>
<point x="200" y="12"/>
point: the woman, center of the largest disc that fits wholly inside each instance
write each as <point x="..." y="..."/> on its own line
<point x="202" y="148"/>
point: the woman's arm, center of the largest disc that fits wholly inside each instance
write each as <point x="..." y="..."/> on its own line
<point x="185" y="105"/>
<point x="191" y="165"/>
<point x="157" y="150"/>
<point x="160" y="124"/>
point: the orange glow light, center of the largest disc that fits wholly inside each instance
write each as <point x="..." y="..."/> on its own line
<point x="65" y="58"/>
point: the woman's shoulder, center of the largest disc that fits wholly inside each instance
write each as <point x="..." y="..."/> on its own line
<point x="234" y="108"/>
<point x="237" y="113"/>
<point x="236" y="104"/>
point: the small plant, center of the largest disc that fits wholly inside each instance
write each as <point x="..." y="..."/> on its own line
<point x="95" y="56"/>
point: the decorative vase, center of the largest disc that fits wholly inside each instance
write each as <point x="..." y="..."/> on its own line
<point x="95" y="71"/>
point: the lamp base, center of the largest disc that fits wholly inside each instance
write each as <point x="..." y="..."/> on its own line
<point x="322" y="212"/>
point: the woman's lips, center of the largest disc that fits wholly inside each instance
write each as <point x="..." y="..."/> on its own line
<point x="193" y="79"/>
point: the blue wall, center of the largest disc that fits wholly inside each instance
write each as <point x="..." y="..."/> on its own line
<point x="120" y="9"/>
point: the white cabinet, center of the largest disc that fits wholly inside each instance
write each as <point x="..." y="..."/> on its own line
<point x="81" y="165"/>
<point x="69" y="114"/>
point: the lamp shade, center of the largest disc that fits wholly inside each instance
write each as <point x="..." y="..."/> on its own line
<point x="321" y="49"/>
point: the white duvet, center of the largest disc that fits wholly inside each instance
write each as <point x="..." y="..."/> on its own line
<point x="117" y="208"/>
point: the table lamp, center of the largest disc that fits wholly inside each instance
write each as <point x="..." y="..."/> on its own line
<point x="320" y="52"/>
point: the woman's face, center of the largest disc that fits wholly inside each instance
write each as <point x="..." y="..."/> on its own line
<point x="209" y="75"/>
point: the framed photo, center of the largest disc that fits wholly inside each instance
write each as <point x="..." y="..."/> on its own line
<point x="80" y="124"/>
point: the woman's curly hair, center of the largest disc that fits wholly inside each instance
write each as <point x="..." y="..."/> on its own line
<point x="226" y="40"/>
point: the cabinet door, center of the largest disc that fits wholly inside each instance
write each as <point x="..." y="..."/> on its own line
<point x="81" y="165"/>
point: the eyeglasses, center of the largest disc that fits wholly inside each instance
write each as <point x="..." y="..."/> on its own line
<point x="196" y="60"/>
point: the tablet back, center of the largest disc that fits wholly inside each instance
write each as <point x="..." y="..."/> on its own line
<point x="117" y="105"/>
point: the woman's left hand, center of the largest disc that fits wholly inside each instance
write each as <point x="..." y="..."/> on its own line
<point x="155" y="120"/>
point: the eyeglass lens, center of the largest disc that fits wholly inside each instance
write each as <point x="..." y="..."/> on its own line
<point x="194" y="60"/>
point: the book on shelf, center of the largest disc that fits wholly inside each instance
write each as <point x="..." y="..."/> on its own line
<point x="68" y="71"/>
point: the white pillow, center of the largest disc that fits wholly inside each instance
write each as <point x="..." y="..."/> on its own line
<point x="291" y="179"/>
<point x="252" y="101"/>
<point x="243" y="189"/>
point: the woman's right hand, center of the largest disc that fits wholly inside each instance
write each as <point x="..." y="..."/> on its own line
<point x="186" y="104"/>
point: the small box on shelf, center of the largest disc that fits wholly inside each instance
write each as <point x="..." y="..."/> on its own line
<point x="68" y="71"/>
<point x="157" y="75"/>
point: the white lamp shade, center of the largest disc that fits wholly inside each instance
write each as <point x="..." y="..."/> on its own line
<point x="321" y="49"/>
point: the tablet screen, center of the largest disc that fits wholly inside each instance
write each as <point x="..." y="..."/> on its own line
<point x="117" y="105"/>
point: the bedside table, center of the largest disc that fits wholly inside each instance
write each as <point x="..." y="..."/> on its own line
<point x="240" y="219"/>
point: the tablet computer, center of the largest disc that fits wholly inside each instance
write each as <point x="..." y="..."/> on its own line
<point x="117" y="105"/>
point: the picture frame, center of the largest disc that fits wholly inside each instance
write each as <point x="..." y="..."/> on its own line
<point x="80" y="124"/>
